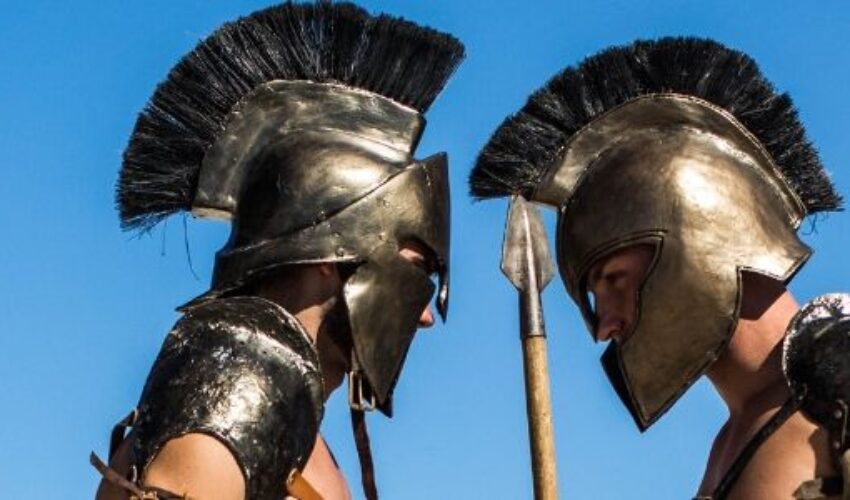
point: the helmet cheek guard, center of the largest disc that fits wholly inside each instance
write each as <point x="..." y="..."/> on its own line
<point x="385" y="297"/>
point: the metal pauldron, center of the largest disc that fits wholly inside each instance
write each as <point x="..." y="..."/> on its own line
<point x="688" y="179"/>
<point x="816" y="362"/>
<point x="243" y="371"/>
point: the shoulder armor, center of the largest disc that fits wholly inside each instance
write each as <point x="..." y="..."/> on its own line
<point x="243" y="370"/>
<point x="816" y="361"/>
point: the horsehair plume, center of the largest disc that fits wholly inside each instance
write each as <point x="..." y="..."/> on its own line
<point x="321" y="42"/>
<point x="530" y="142"/>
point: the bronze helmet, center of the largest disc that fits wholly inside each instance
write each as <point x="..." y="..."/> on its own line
<point x="299" y="123"/>
<point x="682" y="144"/>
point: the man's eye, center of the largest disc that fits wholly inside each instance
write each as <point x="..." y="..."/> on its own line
<point x="427" y="267"/>
<point x="615" y="278"/>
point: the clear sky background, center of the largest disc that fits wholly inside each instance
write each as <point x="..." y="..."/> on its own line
<point x="84" y="307"/>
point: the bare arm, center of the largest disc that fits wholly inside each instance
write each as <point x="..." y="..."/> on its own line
<point x="323" y="474"/>
<point x="202" y="467"/>
<point x="195" y="465"/>
<point x="198" y="466"/>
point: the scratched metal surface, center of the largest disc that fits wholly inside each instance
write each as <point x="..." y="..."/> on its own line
<point x="243" y="371"/>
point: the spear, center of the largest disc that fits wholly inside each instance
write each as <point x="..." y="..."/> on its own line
<point x="527" y="265"/>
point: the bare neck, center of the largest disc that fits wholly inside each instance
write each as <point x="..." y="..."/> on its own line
<point x="748" y="375"/>
<point x="311" y="296"/>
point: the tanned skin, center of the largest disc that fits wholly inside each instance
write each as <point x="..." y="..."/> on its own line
<point x="748" y="376"/>
<point x="200" y="466"/>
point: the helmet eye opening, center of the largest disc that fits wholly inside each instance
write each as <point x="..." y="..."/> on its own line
<point x="419" y="254"/>
<point x="611" y="285"/>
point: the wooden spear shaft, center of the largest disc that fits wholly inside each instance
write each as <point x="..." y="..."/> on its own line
<point x="539" y="408"/>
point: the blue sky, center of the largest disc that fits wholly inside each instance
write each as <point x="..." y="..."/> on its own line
<point x="84" y="306"/>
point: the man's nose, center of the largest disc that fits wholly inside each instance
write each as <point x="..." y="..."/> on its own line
<point x="607" y="329"/>
<point x="427" y="318"/>
<point x="608" y="323"/>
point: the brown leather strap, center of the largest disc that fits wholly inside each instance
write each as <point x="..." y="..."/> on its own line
<point x="109" y="474"/>
<point x="136" y="492"/>
<point x="114" y="477"/>
<point x="119" y="430"/>
<point x="364" y="452"/>
<point x="767" y="430"/>
<point x="299" y="488"/>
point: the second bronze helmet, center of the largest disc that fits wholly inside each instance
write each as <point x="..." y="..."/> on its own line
<point x="677" y="143"/>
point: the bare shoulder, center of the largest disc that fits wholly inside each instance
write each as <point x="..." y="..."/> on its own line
<point x="196" y="465"/>
<point x="796" y="452"/>
<point x="323" y="474"/>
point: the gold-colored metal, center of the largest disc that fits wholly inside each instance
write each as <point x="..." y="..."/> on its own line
<point x="658" y="112"/>
<point x="336" y="118"/>
<point x="539" y="409"/>
<point x="684" y="176"/>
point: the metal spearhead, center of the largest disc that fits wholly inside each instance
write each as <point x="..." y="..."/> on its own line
<point x="525" y="252"/>
<point x="526" y="263"/>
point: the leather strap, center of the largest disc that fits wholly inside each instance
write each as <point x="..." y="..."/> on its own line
<point x="300" y="488"/>
<point x="136" y="492"/>
<point x="780" y="417"/>
<point x="119" y="431"/>
<point x="364" y="453"/>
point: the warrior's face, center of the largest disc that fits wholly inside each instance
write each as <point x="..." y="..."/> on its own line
<point x="421" y="257"/>
<point x="614" y="283"/>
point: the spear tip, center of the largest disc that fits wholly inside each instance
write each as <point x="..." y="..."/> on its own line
<point x="525" y="251"/>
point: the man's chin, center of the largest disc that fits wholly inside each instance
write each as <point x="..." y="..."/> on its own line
<point x="336" y="333"/>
